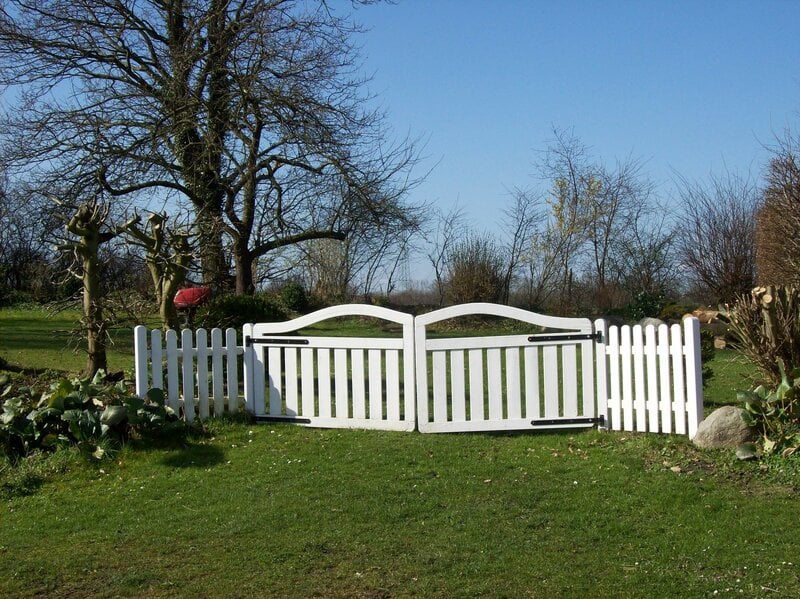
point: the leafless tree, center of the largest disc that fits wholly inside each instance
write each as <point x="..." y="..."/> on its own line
<point x="716" y="243"/>
<point x="448" y="229"/>
<point x="237" y="107"/>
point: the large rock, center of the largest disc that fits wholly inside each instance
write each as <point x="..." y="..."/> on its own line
<point x="723" y="428"/>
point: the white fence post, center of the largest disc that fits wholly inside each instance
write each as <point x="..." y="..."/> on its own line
<point x="694" y="374"/>
<point x="141" y="359"/>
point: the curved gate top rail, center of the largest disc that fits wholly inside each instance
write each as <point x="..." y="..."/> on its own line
<point x="480" y="308"/>
<point x="346" y="382"/>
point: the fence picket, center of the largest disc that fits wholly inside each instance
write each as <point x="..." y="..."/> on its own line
<point x="569" y="380"/>
<point x="375" y="368"/>
<point x="307" y="382"/>
<point x="439" y="372"/>
<point x="676" y="353"/>
<point x="513" y="398"/>
<point x="201" y="368"/>
<point x="393" y="386"/>
<point x="640" y="404"/>
<point x="494" y="371"/>
<point x="626" y="354"/>
<point x="172" y="370"/>
<point x="217" y="371"/>
<point x="614" y="387"/>
<point x="187" y="374"/>
<point x="324" y="378"/>
<point x="290" y="380"/>
<point x="457" y="391"/>
<point x="359" y="390"/>
<point x="532" y="409"/>
<point x="694" y="368"/>
<point x="651" y="374"/>
<point x="340" y="377"/>
<point x="476" y="408"/>
<point x="232" y="366"/>
<point x="550" y="356"/>
<point x="601" y="357"/>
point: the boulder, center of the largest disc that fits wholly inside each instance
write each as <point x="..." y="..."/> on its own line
<point x="723" y="428"/>
<point x="648" y="321"/>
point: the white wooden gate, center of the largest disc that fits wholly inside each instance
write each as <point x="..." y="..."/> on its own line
<point x="344" y="382"/>
<point x="541" y="379"/>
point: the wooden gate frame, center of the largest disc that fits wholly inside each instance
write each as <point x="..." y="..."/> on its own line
<point x="350" y="401"/>
<point x="577" y="331"/>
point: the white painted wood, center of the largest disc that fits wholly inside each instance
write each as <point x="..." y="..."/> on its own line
<point x="499" y="425"/>
<point x="324" y="381"/>
<point x="307" y="382"/>
<point x="678" y="380"/>
<point x="458" y="397"/>
<point x="476" y="407"/>
<point x="141" y="359"/>
<point x="249" y="365"/>
<point x="187" y="375"/>
<point x="202" y="373"/>
<point x="614" y="383"/>
<point x="232" y="353"/>
<point x="290" y="376"/>
<point x="651" y="373"/>
<point x="513" y="383"/>
<point x="569" y="380"/>
<point x="587" y="390"/>
<point x="694" y="375"/>
<point x="665" y="378"/>
<point x="532" y="408"/>
<point x="217" y="372"/>
<point x="157" y="357"/>
<point x="627" y="377"/>
<point x="494" y="372"/>
<point x="393" y="386"/>
<point x="376" y="395"/>
<point x="173" y="391"/>
<point x="439" y="374"/>
<point x="274" y="372"/>
<point x="640" y="399"/>
<point x="340" y="380"/>
<point x="359" y="389"/>
<point x="601" y="370"/>
<point x="551" y="390"/>
<point x="550" y="322"/>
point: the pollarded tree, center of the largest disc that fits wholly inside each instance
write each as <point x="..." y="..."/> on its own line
<point x="238" y="107"/>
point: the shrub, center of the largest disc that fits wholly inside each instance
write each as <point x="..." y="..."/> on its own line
<point x="645" y="305"/>
<point x="775" y="413"/>
<point x="293" y="297"/>
<point x="81" y="412"/>
<point x="673" y="312"/>
<point x="766" y="329"/>
<point x="237" y="310"/>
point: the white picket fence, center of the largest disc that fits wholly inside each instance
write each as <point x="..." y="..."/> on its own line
<point x="623" y="378"/>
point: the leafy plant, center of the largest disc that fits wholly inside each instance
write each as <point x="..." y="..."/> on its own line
<point x="775" y="413"/>
<point x="237" y="310"/>
<point x="82" y="412"/>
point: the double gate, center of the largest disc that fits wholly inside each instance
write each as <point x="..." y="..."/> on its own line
<point x="421" y="379"/>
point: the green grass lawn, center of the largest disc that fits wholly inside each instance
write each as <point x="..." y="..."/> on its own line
<point x="241" y="510"/>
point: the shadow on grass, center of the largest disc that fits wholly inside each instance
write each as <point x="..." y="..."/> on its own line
<point x="195" y="456"/>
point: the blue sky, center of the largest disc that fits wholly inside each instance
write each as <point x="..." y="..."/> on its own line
<point x="691" y="88"/>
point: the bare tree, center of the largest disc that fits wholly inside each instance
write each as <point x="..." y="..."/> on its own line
<point x="475" y="270"/>
<point x="716" y="243"/>
<point x="238" y="107"/>
<point x="448" y="229"/>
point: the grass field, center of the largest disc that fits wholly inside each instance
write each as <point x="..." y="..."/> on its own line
<point x="241" y="510"/>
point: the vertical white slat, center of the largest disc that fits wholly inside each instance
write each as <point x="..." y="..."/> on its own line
<point x="587" y="397"/>
<point x="569" y="379"/>
<point x="694" y="374"/>
<point x="532" y="410"/>
<point x="141" y="359"/>
<point x="513" y="398"/>
<point x="324" y="378"/>
<point x="375" y="368"/>
<point x="476" y="409"/>
<point x="290" y="380"/>
<point x="626" y="359"/>
<point x="409" y="396"/>
<point x="393" y="385"/>
<point x="187" y="374"/>
<point x="359" y="391"/>
<point x="665" y="380"/>
<point x="601" y="370"/>
<point x="678" y="381"/>
<point x="307" y="381"/>
<point x="157" y="360"/>
<point x="252" y="372"/>
<point x="651" y="362"/>
<point x="458" y="397"/>
<point x="494" y="374"/>
<point x="439" y="366"/>
<point x="232" y="369"/>
<point x="614" y="390"/>
<point x="551" y="399"/>
<point x="639" y="402"/>
<point x="217" y="372"/>
<point x="173" y="391"/>
<point x="275" y="386"/>
<point x="202" y="373"/>
<point x="340" y="380"/>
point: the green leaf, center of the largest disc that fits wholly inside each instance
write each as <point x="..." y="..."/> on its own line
<point x="113" y="415"/>
<point x="769" y="446"/>
<point x="99" y="377"/>
<point x="156" y="396"/>
<point x="747" y="396"/>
